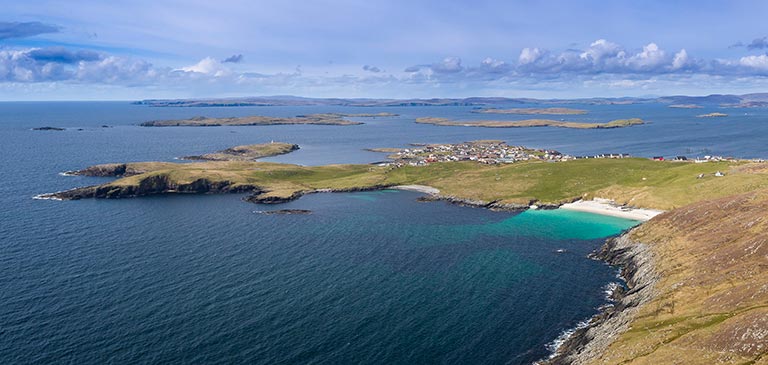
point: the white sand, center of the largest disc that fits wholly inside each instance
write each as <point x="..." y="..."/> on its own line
<point x="418" y="188"/>
<point x="609" y="207"/>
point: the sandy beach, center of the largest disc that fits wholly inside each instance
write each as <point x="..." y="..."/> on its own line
<point x="418" y="188"/>
<point x="609" y="207"/>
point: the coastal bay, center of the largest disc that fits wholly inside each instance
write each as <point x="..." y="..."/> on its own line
<point x="681" y="188"/>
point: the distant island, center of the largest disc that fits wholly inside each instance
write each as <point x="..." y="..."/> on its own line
<point x="57" y="129"/>
<point x="739" y="101"/>
<point x="316" y="119"/>
<point x="619" y="123"/>
<point x="247" y="152"/>
<point x="532" y="111"/>
<point x="712" y="115"/>
<point x="685" y="106"/>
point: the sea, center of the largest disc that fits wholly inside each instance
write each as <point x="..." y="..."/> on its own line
<point x="367" y="278"/>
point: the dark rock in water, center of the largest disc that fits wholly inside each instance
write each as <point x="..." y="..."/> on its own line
<point x="106" y="126"/>
<point x="259" y="198"/>
<point x="285" y="211"/>
<point x="427" y="199"/>
<point x="48" y="129"/>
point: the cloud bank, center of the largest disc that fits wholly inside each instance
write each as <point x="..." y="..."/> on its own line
<point x="10" y="30"/>
<point x="600" y="65"/>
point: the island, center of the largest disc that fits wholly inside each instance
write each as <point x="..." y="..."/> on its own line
<point x="315" y="119"/>
<point x="685" y="106"/>
<point x="247" y="152"/>
<point x="57" y="129"/>
<point x="712" y="115"/>
<point x="619" y="123"/>
<point x="532" y="111"/>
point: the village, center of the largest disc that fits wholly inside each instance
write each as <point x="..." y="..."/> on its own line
<point x="498" y="152"/>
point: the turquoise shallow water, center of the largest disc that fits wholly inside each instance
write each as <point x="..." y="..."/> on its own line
<point x="371" y="278"/>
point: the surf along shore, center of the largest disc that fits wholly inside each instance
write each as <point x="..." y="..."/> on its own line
<point x="697" y="281"/>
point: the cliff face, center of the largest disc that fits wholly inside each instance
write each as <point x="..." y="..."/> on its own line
<point x="698" y="279"/>
<point x="151" y="185"/>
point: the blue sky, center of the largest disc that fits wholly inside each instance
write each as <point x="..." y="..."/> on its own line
<point x="95" y="50"/>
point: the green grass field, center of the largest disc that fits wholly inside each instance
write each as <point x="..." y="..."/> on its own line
<point x="639" y="182"/>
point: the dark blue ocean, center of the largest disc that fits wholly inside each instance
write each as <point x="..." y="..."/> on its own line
<point x="368" y="278"/>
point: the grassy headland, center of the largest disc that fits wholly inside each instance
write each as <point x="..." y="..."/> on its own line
<point x="318" y="119"/>
<point x="532" y="111"/>
<point x="619" y="123"/>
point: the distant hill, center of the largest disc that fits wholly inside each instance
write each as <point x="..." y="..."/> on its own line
<point x="748" y="100"/>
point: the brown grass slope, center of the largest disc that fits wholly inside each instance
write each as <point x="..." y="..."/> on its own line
<point x="712" y="302"/>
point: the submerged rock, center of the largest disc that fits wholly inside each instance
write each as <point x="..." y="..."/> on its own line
<point x="284" y="211"/>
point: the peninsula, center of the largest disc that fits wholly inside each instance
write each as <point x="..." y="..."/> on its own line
<point x="532" y="111"/>
<point x="638" y="182"/>
<point x="619" y="123"/>
<point x="316" y="119"/>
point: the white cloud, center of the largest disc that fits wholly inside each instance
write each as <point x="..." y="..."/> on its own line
<point x="529" y="55"/>
<point x="448" y="65"/>
<point x="208" y="66"/>
<point x="650" y="57"/>
<point x="680" y="60"/>
<point x="601" y="49"/>
<point x="758" y="62"/>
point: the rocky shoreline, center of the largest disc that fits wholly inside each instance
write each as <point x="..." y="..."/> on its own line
<point x="638" y="271"/>
<point x="493" y="205"/>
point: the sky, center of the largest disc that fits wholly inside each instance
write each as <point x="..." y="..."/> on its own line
<point x="141" y="49"/>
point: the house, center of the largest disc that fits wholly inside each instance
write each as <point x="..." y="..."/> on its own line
<point x="658" y="158"/>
